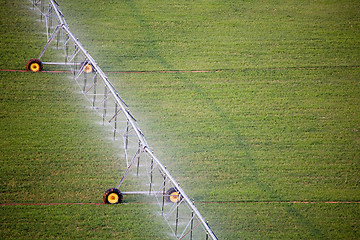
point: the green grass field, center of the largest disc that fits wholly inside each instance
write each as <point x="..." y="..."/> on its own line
<point x="273" y="119"/>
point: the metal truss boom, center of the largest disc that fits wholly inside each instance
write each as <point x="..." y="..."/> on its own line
<point x="183" y="218"/>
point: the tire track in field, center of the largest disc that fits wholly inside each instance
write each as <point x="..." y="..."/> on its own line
<point x="200" y="202"/>
<point x="250" y="162"/>
<point x="47" y="204"/>
<point x="117" y="72"/>
<point x="200" y="70"/>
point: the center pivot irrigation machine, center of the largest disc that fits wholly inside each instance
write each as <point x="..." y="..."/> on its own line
<point x="183" y="218"/>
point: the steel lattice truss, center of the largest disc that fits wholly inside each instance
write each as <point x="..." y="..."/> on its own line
<point x="183" y="218"/>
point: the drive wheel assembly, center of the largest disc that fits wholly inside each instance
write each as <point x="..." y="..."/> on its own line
<point x="34" y="65"/>
<point x="112" y="196"/>
<point x="173" y="195"/>
<point x="88" y="67"/>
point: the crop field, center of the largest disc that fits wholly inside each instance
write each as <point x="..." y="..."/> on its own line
<point x="253" y="106"/>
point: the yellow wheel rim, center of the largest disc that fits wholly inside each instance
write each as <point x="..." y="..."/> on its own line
<point x="113" y="198"/>
<point x="174" y="197"/>
<point x="88" y="68"/>
<point x="34" y="67"/>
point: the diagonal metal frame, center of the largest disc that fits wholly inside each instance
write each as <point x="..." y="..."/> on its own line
<point x="183" y="218"/>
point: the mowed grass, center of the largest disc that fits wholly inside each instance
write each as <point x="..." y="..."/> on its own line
<point x="276" y="118"/>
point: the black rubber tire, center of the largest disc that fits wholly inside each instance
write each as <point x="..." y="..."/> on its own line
<point x="112" y="196"/>
<point x="88" y="67"/>
<point x="173" y="195"/>
<point x="34" y="65"/>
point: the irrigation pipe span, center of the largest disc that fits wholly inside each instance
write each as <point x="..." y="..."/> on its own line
<point x="180" y="213"/>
